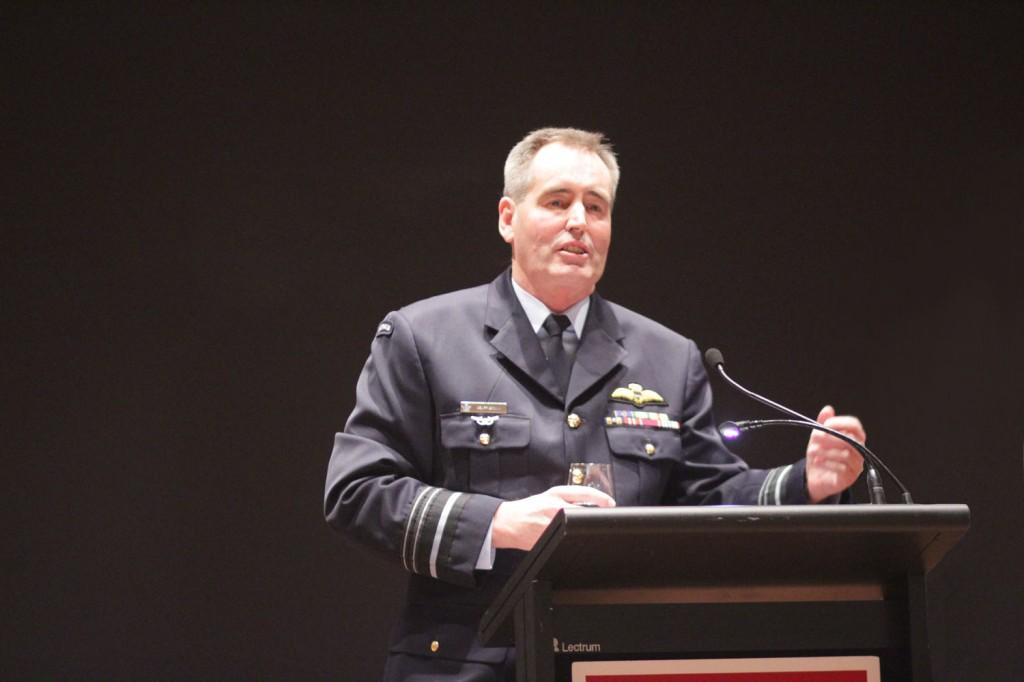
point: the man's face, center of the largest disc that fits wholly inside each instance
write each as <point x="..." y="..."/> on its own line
<point x="561" y="230"/>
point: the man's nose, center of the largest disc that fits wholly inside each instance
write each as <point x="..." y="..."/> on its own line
<point x="577" y="219"/>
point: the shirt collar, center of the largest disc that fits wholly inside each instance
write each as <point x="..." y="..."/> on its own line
<point x="537" y="312"/>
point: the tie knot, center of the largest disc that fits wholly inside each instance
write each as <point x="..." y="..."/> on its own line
<point x="554" y="325"/>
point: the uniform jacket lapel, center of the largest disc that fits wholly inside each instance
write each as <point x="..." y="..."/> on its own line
<point x="514" y="338"/>
<point x="599" y="351"/>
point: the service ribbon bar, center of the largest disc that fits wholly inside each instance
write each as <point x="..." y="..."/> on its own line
<point x="650" y="420"/>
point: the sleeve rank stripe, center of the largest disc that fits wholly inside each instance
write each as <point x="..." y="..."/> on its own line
<point x="766" y="485"/>
<point x="408" y="538"/>
<point x="442" y="523"/>
<point x="430" y="518"/>
<point x="780" y="482"/>
<point x="448" y="537"/>
<point x="771" y="489"/>
<point x="419" y="521"/>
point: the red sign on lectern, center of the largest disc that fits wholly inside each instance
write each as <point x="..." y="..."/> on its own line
<point x="809" y="669"/>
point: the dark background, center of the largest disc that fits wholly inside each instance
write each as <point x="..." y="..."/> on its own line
<point x="208" y="210"/>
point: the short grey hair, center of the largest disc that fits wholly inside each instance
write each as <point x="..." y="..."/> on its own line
<point x="517" y="165"/>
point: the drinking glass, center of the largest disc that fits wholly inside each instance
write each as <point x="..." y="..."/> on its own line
<point x="592" y="475"/>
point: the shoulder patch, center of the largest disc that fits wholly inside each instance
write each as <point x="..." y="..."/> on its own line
<point x="385" y="328"/>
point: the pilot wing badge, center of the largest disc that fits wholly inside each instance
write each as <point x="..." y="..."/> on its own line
<point x="637" y="395"/>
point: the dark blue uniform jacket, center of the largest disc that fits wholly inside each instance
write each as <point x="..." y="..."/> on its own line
<point x="411" y="476"/>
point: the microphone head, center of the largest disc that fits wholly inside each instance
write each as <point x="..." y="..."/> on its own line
<point x="713" y="357"/>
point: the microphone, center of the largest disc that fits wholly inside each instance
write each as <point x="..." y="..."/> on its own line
<point x="876" y="492"/>
<point x="732" y="430"/>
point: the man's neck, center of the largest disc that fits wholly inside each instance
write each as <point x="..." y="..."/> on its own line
<point x="536" y="310"/>
<point x="557" y="301"/>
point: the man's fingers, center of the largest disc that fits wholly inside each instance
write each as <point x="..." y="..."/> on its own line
<point x="826" y="413"/>
<point x="836" y="465"/>
<point x="841" y="452"/>
<point x="850" y="426"/>
<point x="845" y="424"/>
<point x="574" y="494"/>
<point x="833" y="464"/>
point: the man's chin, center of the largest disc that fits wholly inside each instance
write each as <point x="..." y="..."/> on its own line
<point x="571" y="275"/>
<point x="560" y="283"/>
<point x="574" y="282"/>
<point x="583" y="269"/>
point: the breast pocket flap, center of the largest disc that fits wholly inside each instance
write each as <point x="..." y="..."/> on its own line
<point x="643" y="443"/>
<point x="507" y="431"/>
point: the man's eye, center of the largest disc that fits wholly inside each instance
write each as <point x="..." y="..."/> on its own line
<point x="556" y="203"/>
<point x="597" y="208"/>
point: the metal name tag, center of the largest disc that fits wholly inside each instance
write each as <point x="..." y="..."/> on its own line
<point x="472" y="407"/>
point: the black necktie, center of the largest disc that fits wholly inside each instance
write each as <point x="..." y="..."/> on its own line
<point x="559" y="347"/>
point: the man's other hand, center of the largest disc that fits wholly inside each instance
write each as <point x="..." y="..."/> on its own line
<point x="518" y="523"/>
<point x="832" y="465"/>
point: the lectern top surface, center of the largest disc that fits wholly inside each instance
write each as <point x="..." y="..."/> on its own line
<point x="657" y="547"/>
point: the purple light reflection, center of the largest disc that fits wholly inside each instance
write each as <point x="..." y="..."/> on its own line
<point x="729" y="431"/>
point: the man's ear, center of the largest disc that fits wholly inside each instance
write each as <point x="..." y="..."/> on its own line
<point x="506" y="211"/>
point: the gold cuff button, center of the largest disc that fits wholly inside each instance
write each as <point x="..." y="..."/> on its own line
<point x="574" y="421"/>
<point x="434" y="646"/>
<point x="485" y="439"/>
<point x="649" y="449"/>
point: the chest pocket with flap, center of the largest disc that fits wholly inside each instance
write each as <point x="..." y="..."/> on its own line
<point x="643" y="460"/>
<point x="482" y="452"/>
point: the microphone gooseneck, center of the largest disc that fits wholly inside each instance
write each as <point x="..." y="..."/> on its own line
<point x="731" y="430"/>
<point x="713" y="357"/>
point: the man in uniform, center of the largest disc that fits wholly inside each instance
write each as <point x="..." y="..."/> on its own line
<point x="473" y="404"/>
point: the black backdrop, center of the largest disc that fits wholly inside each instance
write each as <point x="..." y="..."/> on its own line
<point x="208" y="210"/>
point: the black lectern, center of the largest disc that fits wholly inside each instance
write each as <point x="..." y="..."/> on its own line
<point x="657" y="582"/>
